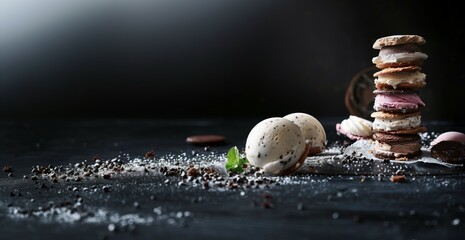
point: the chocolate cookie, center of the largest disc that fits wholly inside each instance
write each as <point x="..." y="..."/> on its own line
<point x="399" y="147"/>
<point x="386" y="137"/>
<point x="449" y="152"/>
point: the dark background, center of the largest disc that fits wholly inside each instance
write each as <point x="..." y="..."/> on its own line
<point x="209" y="58"/>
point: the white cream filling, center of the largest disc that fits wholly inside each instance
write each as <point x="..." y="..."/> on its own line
<point x="396" y="124"/>
<point x="399" y="57"/>
<point x="395" y="79"/>
<point x="357" y="126"/>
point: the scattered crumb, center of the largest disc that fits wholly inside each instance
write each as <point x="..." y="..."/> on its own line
<point x="150" y="154"/>
<point x="192" y="171"/>
<point x="7" y="168"/>
<point x="362" y="179"/>
<point x="397" y="178"/>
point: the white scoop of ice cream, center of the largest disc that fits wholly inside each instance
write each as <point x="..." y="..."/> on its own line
<point x="275" y="144"/>
<point x="311" y="129"/>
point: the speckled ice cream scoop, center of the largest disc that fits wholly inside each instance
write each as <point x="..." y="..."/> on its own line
<point x="311" y="129"/>
<point x="275" y="144"/>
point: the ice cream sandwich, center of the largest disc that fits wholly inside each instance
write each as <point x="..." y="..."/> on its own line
<point x="397" y="123"/>
<point x="399" y="51"/>
<point x="408" y="77"/>
<point x="397" y="118"/>
<point x="400" y="147"/>
<point x="397" y="101"/>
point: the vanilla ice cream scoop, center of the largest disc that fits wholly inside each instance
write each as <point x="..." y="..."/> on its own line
<point x="277" y="145"/>
<point x="312" y="130"/>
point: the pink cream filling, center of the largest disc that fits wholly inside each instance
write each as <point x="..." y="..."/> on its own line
<point x="398" y="101"/>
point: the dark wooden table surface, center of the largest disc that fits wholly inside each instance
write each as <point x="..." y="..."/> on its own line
<point x="147" y="206"/>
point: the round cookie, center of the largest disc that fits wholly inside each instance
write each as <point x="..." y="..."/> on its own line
<point x="398" y="39"/>
<point x="449" y="152"/>
<point x="399" y="51"/>
<point x="406" y="77"/>
<point x="386" y="137"/>
<point x="397" y="70"/>
<point x="416" y="62"/>
<point x="387" y="115"/>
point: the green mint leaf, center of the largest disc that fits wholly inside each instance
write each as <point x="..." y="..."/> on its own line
<point x="232" y="158"/>
<point x="234" y="161"/>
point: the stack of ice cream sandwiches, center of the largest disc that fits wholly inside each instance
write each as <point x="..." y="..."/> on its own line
<point x="397" y="120"/>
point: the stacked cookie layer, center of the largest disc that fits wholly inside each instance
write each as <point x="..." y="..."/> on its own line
<point x="397" y="104"/>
